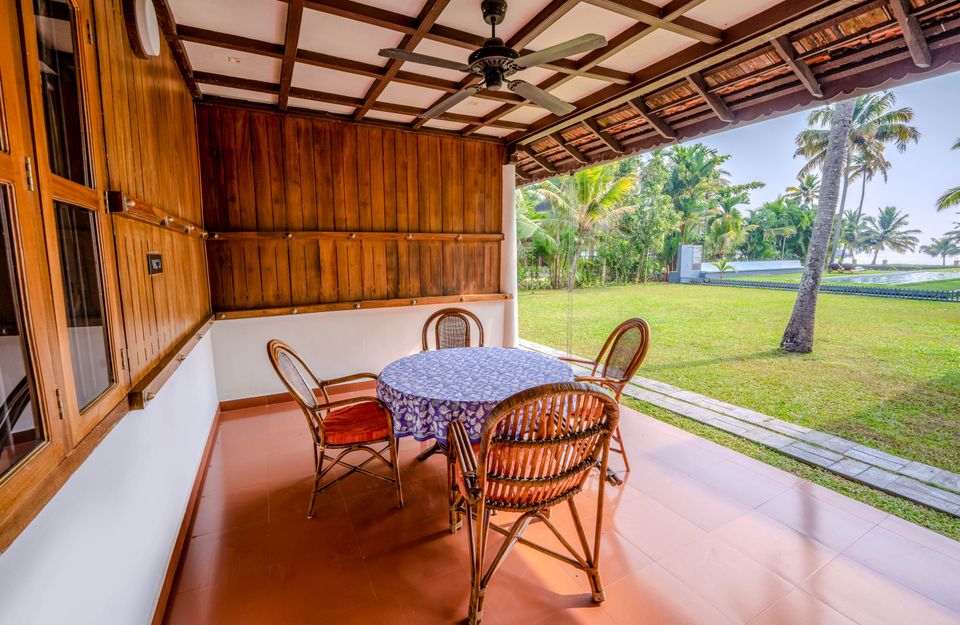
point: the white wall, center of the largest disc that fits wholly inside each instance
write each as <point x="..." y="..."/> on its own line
<point x="98" y="552"/>
<point x="332" y="343"/>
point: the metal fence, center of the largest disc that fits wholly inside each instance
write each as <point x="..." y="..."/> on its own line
<point x="871" y="291"/>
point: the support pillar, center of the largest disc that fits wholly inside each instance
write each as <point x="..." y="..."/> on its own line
<point x="508" y="259"/>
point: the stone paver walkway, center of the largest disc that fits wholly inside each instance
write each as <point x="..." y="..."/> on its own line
<point x="918" y="482"/>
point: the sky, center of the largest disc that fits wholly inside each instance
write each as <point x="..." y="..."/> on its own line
<point x="764" y="151"/>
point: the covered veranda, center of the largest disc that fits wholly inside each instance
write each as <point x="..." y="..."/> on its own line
<point x="257" y="170"/>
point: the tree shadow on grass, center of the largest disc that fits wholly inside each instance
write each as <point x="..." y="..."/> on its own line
<point x="706" y="362"/>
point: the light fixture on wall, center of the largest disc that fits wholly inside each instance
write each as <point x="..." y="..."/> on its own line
<point x="143" y="30"/>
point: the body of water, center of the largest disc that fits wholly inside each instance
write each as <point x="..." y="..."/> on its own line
<point x="905" y="277"/>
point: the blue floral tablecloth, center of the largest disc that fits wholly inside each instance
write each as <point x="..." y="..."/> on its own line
<point x="427" y="391"/>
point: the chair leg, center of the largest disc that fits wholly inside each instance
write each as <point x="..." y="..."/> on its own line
<point x="395" y="459"/>
<point x="453" y="495"/>
<point x="318" y="455"/>
<point x="478" y="537"/>
<point x="623" y="449"/>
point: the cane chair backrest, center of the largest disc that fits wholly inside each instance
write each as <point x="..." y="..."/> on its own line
<point x="538" y="446"/>
<point x="299" y="380"/>
<point x="624" y="350"/>
<point x="451" y="328"/>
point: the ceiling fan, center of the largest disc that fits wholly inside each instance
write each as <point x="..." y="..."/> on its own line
<point x="494" y="62"/>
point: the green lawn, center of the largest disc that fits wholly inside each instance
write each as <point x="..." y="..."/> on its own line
<point x="884" y="373"/>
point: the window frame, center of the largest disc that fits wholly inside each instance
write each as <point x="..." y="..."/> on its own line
<point x="54" y="188"/>
<point x="32" y="277"/>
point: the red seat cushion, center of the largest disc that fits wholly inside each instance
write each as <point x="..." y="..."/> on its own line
<point x="356" y="423"/>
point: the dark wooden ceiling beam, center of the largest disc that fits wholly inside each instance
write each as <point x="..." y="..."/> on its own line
<point x="912" y="32"/>
<point x="715" y="102"/>
<point x="781" y="19"/>
<point x="540" y="160"/>
<point x="662" y="127"/>
<point x="788" y="54"/>
<point x="428" y="15"/>
<point x="291" y="40"/>
<point x="651" y="14"/>
<point x="569" y="149"/>
<point x="608" y="139"/>
<point x="260" y="86"/>
<point x="319" y="59"/>
<point x="169" y="28"/>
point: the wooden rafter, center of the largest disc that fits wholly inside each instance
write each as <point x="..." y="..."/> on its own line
<point x="333" y="98"/>
<point x="608" y="139"/>
<point x="912" y="32"/>
<point x="428" y="15"/>
<point x="569" y="149"/>
<point x="541" y="160"/>
<point x="653" y="119"/>
<point x="614" y="46"/>
<point x="781" y="19"/>
<point x="291" y="40"/>
<point x="651" y="14"/>
<point x="319" y="59"/>
<point x="169" y="27"/>
<point x="715" y="102"/>
<point x="788" y="54"/>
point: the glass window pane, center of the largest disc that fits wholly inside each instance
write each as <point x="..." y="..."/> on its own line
<point x="62" y="90"/>
<point x="20" y="426"/>
<point x="83" y="293"/>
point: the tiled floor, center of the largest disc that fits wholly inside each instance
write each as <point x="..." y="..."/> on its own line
<point x="698" y="535"/>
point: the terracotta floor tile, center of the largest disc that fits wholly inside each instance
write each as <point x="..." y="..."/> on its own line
<point x="835" y="499"/>
<point x="226" y="510"/>
<point x="217" y="605"/>
<point x="764" y="469"/>
<point x="869" y="598"/>
<point x="328" y="535"/>
<point x="922" y="536"/>
<point x="234" y="471"/>
<point x="652" y="596"/>
<point x="739" y="483"/>
<point x="310" y="591"/>
<point x="686" y="456"/>
<point x="816" y="518"/>
<point x="799" y="608"/>
<point x="228" y="558"/>
<point x="727" y="579"/>
<point x="909" y="564"/>
<point x="776" y="547"/>
<point x="655" y="529"/>
<point x="702" y="506"/>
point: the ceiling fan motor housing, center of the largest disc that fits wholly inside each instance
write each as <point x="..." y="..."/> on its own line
<point x="493" y="61"/>
<point x="493" y="11"/>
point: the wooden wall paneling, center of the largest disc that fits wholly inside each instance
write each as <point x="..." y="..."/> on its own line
<point x="295" y="180"/>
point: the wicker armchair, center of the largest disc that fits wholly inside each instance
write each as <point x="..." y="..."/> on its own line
<point x="617" y="363"/>
<point x="536" y="450"/>
<point x="347" y="425"/>
<point x="451" y="328"/>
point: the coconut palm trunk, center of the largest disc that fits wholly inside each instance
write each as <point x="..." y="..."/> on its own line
<point x="843" y="202"/>
<point x="798" y="336"/>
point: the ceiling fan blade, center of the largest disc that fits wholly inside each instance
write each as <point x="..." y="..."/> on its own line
<point x="423" y="59"/>
<point x="444" y="105"/>
<point x="583" y="43"/>
<point x="538" y="96"/>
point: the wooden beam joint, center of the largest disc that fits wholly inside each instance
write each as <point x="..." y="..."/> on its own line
<point x="786" y="51"/>
<point x="608" y="139"/>
<point x="912" y="32"/>
<point x="569" y="149"/>
<point x="699" y="84"/>
<point x="662" y="127"/>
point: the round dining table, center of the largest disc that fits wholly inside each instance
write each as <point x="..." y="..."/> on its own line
<point x="427" y="391"/>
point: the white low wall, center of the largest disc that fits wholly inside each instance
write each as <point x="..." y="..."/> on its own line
<point x="98" y="552"/>
<point x="332" y="343"/>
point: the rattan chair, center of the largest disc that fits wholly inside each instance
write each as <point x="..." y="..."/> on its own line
<point x="451" y="328"/>
<point x="617" y="363"/>
<point x="347" y="425"/>
<point x="536" y="450"/>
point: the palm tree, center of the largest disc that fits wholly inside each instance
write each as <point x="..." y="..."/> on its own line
<point x="727" y="228"/>
<point x="854" y="235"/>
<point x="723" y="265"/>
<point x="942" y="247"/>
<point x="586" y="199"/>
<point x="798" y="335"/>
<point x="875" y="125"/>
<point x="806" y="192"/>
<point x="533" y="234"/>
<point x="951" y="197"/>
<point x="889" y="230"/>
